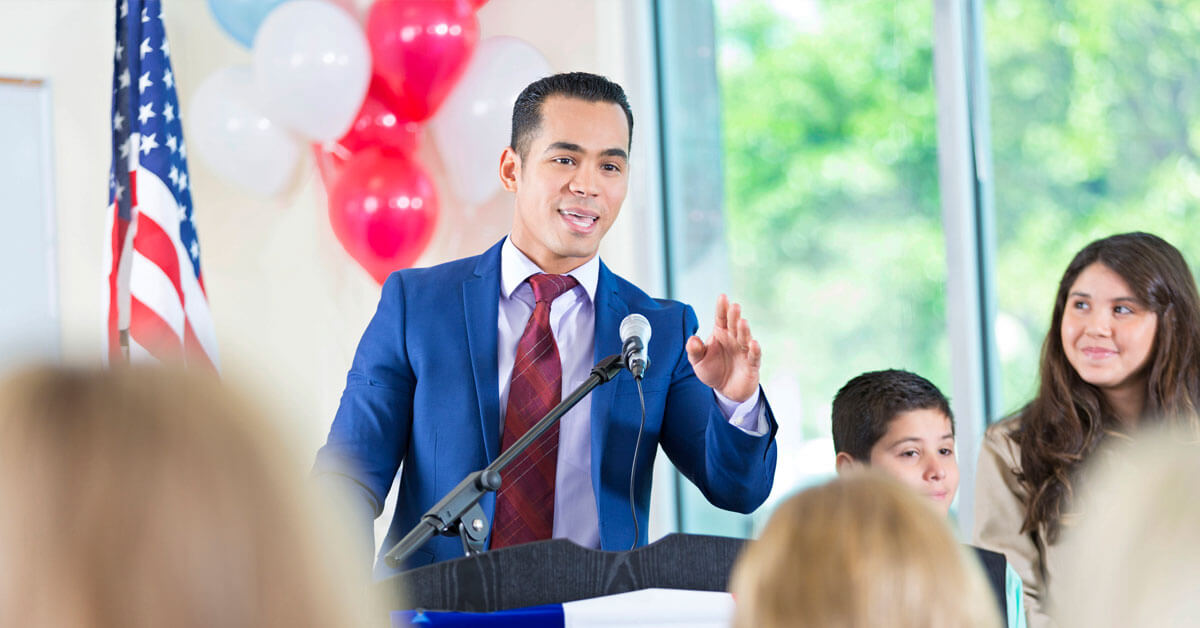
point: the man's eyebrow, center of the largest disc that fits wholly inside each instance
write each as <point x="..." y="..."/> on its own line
<point x="576" y="148"/>
<point x="567" y="146"/>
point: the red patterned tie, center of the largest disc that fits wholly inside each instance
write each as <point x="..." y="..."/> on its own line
<point x="525" y="503"/>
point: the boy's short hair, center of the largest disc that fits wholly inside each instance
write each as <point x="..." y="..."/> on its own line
<point x="865" y="406"/>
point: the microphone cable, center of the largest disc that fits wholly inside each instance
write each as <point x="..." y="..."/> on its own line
<point x="633" y="468"/>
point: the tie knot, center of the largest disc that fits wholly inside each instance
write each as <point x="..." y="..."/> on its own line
<point x="548" y="287"/>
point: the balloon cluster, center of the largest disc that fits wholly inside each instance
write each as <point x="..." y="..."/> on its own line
<point x="362" y="94"/>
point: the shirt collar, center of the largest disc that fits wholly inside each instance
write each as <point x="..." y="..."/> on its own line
<point x="516" y="267"/>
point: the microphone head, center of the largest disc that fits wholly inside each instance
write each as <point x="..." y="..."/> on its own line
<point x="635" y="325"/>
<point x="635" y="338"/>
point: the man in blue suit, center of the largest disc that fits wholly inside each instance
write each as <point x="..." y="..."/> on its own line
<point x="428" y="390"/>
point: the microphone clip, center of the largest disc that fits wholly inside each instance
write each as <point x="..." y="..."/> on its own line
<point x="634" y="353"/>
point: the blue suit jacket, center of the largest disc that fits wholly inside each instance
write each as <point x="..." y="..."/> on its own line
<point x="422" y="391"/>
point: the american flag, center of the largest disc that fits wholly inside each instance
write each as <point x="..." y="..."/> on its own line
<point x="157" y="307"/>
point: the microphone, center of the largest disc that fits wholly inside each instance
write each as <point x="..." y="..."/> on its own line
<point x="635" y="342"/>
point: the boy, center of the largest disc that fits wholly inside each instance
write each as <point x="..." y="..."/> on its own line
<point x="899" y="423"/>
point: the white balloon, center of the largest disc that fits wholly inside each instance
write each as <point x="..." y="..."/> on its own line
<point x="235" y="139"/>
<point x="312" y="64"/>
<point x="474" y="124"/>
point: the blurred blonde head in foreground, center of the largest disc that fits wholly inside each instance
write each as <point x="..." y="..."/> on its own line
<point x="1134" y="557"/>
<point x="142" y="497"/>
<point x="860" y="551"/>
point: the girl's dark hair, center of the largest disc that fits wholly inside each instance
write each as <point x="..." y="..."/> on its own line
<point x="1064" y="424"/>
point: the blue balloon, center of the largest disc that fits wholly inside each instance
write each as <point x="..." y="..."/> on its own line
<point x="241" y="18"/>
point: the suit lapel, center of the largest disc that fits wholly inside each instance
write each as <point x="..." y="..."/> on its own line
<point x="481" y="302"/>
<point x="610" y="310"/>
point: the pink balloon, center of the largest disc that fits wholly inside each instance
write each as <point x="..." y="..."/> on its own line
<point x="350" y="7"/>
<point x="330" y="164"/>
<point x="378" y="124"/>
<point x="383" y="209"/>
<point x="474" y="123"/>
<point x="475" y="4"/>
<point x="420" y="48"/>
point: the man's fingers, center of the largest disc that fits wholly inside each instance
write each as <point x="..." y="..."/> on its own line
<point x="754" y="355"/>
<point x="695" y="349"/>
<point x="743" y="334"/>
<point x="722" y="307"/>
<point x="734" y="314"/>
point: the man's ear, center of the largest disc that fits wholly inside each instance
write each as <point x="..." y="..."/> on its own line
<point x="510" y="169"/>
<point x="846" y="462"/>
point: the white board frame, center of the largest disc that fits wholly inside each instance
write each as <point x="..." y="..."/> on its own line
<point x="30" y="316"/>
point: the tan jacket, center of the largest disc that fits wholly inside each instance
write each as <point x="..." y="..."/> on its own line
<point x="1000" y="503"/>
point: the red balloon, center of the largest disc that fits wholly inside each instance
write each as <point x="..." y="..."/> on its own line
<point x="477" y="3"/>
<point x="377" y="124"/>
<point x="420" y="48"/>
<point x="383" y="209"/>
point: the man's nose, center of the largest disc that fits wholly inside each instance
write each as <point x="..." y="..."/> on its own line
<point x="583" y="182"/>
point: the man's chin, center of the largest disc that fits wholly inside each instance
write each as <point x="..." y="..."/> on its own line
<point x="578" y="248"/>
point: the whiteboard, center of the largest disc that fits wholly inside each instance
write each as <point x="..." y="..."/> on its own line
<point x="30" y="328"/>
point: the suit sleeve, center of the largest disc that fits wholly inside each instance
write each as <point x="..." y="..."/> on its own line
<point x="1000" y="503"/>
<point x="734" y="470"/>
<point x="370" y="431"/>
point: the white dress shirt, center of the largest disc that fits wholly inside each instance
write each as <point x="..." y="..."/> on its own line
<point x="573" y="324"/>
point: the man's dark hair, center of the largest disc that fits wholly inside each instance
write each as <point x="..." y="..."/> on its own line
<point x="527" y="111"/>
<point x="865" y="406"/>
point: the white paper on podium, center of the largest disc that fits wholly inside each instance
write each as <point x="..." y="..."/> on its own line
<point x="650" y="608"/>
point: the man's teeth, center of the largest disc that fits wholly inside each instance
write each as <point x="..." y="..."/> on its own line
<point x="579" y="216"/>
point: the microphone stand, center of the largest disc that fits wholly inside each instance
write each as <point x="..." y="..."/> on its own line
<point x="459" y="512"/>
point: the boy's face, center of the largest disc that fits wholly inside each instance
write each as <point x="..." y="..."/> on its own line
<point x="918" y="449"/>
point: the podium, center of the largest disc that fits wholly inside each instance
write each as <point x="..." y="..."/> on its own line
<point x="559" y="571"/>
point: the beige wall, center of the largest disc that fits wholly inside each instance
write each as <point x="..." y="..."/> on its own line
<point x="288" y="303"/>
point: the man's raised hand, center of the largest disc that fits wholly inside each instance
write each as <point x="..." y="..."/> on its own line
<point x="729" y="360"/>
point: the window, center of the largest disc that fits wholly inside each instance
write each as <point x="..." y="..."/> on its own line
<point x="1083" y="118"/>
<point x="836" y="249"/>
<point x="1095" y="108"/>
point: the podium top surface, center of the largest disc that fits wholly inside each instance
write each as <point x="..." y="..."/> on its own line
<point x="558" y="571"/>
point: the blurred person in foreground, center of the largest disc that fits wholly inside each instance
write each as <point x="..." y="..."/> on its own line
<point x="139" y="497"/>
<point x="859" y="551"/>
<point x="1135" y="559"/>
<point x="1122" y="352"/>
